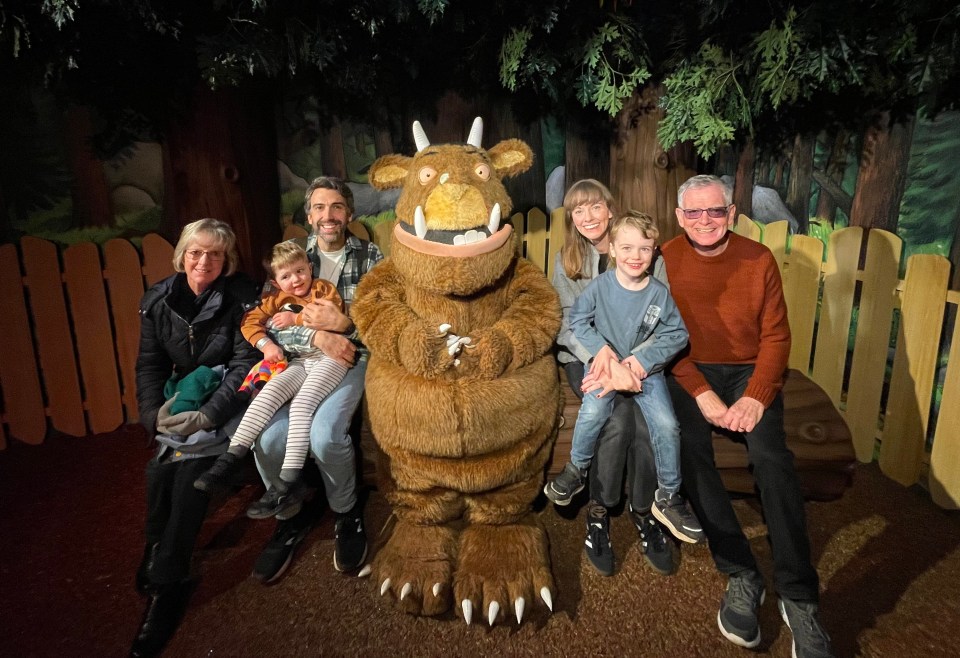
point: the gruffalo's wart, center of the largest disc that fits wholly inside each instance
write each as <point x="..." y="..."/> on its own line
<point x="462" y="386"/>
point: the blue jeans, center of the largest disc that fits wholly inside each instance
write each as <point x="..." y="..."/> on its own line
<point x="330" y="442"/>
<point x="654" y="402"/>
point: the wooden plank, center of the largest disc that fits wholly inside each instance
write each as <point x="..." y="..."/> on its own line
<point x="836" y="310"/>
<point x="537" y="238"/>
<point x="19" y="378"/>
<point x="877" y="299"/>
<point x="944" y="476"/>
<point x="747" y="228"/>
<point x="157" y="258"/>
<point x="58" y="365"/>
<point x="801" y="288"/>
<point x="775" y="238"/>
<point x="91" y="325"/>
<point x="914" y="367"/>
<point x="557" y="234"/>
<point x="125" y="288"/>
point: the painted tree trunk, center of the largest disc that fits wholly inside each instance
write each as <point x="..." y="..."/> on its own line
<point x="642" y="175"/>
<point x="587" y="150"/>
<point x="743" y="183"/>
<point x="88" y="188"/>
<point x="831" y="194"/>
<point x="220" y="160"/>
<point x="798" y="189"/>
<point x="883" y="173"/>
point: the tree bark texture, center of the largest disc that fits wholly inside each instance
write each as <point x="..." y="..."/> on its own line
<point x="220" y="160"/>
<point x="883" y="173"/>
<point x="743" y="181"/>
<point x="798" y="189"/>
<point x="88" y="187"/>
<point x="829" y="200"/>
<point x="642" y="175"/>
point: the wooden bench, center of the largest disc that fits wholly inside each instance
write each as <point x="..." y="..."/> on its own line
<point x="816" y="434"/>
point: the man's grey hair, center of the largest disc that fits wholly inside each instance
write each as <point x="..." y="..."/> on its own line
<point x="705" y="180"/>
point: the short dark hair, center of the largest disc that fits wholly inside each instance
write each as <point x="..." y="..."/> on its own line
<point x="329" y="183"/>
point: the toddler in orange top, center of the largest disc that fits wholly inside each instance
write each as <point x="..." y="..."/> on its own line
<point x="308" y="379"/>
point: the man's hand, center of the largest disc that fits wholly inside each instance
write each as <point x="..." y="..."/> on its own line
<point x="273" y="353"/>
<point x="620" y="378"/>
<point x="283" y="319"/>
<point x="336" y="346"/>
<point x="324" y="314"/>
<point x="712" y="408"/>
<point x="743" y="415"/>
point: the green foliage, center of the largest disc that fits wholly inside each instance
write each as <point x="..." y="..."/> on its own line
<point x="611" y="69"/>
<point x="705" y="102"/>
<point x="369" y="221"/>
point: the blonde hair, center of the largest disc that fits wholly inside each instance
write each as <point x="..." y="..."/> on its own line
<point x="634" y="219"/>
<point x="223" y="236"/>
<point x="573" y="253"/>
<point x="283" y="254"/>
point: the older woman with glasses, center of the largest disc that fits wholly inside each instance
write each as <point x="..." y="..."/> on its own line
<point x="192" y="360"/>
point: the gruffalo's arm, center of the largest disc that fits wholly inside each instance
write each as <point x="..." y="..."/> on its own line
<point x="525" y="331"/>
<point x="390" y="328"/>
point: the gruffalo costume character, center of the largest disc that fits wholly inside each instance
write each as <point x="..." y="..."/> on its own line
<point x="462" y="386"/>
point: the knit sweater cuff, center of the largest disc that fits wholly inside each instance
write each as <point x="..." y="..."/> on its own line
<point x="762" y="392"/>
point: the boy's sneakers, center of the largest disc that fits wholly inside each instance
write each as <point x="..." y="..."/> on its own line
<point x="221" y="475"/>
<point x="675" y="513"/>
<point x="283" y="501"/>
<point x="278" y="553"/>
<point x="565" y="486"/>
<point x="597" y="545"/>
<point x="657" y="548"/>
<point x="810" y="640"/>
<point x="737" y="617"/>
<point x="350" y="540"/>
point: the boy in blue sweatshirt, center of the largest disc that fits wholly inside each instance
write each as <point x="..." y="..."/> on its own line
<point x="627" y="316"/>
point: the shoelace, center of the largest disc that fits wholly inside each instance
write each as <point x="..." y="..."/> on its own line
<point x="651" y="535"/>
<point x="740" y="595"/>
<point x="811" y="628"/>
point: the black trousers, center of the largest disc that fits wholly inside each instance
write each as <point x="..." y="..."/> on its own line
<point x="773" y="470"/>
<point x="624" y="443"/>
<point x="175" y="513"/>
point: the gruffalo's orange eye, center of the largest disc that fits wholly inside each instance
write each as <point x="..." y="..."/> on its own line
<point x="483" y="171"/>
<point x="427" y="174"/>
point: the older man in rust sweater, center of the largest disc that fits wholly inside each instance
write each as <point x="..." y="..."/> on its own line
<point x="729" y="293"/>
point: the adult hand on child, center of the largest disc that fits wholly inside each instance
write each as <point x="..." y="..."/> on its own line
<point x="324" y="314"/>
<point x="634" y="366"/>
<point x="337" y="347"/>
<point x="603" y="361"/>
<point x="620" y="378"/>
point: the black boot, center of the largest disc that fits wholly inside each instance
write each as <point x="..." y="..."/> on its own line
<point x="164" y="612"/>
<point x="143" y="584"/>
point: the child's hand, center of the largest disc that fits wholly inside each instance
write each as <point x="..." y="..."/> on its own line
<point x="273" y="353"/>
<point x="601" y="362"/>
<point x="283" y="319"/>
<point x="634" y="366"/>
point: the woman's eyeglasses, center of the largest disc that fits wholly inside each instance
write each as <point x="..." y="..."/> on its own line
<point x="197" y="254"/>
<point x="712" y="213"/>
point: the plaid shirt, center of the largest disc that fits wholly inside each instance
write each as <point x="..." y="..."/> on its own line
<point x="355" y="265"/>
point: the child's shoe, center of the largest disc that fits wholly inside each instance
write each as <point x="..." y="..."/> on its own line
<point x="657" y="548"/>
<point x="565" y="486"/>
<point x="597" y="545"/>
<point x="221" y="475"/>
<point x="675" y="513"/>
<point x="283" y="501"/>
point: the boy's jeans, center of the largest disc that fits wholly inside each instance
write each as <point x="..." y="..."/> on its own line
<point x="654" y="401"/>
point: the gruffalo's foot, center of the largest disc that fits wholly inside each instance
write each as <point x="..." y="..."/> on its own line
<point x="500" y="566"/>
<point x="415" y="566"/>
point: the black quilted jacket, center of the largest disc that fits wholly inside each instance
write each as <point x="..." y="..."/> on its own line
<point x="168" y="344"/>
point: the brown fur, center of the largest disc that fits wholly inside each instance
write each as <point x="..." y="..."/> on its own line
<point x="466" y="437"/>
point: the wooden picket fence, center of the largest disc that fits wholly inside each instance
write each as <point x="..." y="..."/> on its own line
<point x="71" y="326"/>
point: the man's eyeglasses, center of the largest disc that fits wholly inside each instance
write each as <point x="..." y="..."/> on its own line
<point x="712" y="213"/>
<point x="197" y="254"/>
